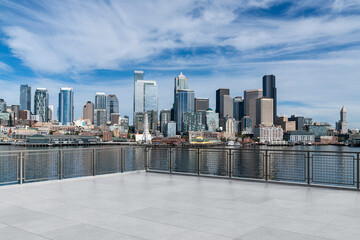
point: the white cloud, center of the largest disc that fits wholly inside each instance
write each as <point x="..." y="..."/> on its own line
<point x="4" y="67"/>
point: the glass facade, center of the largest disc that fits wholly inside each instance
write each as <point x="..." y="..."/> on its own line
<point x="192" y="122"/>
<point x="238" y="108"/>
<point x="145" y="96"/>
<point x="2" y="106"/>
<point x="66" y="106"/>
<point x="170" y="129"/>
<point x="212" y="120"/>
<point x="25" y="97"/>
<point x="100" y="117"/>
<point x="185" y="103"/>
<point x="112" y="106"/>
<point x="41" y="104"/>
<point x="100" y="101"/>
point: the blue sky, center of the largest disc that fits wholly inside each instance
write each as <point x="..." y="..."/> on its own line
<point x="313" y="48"/>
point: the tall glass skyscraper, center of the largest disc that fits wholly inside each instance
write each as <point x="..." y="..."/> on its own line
<point x="66" y="106"/>
<point x="41" y="104"/>
<point x="269" y="91"/>
<point x="2" y="106"/>
<point x="112" y="105"/>
<point x="180" y="82"/>
<point x="100" y="100"/>
<point x="25" y="97"/>
<point x="185" y="103"/>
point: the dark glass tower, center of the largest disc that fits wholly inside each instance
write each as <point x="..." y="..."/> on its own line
<point x="269" y="91"/>
<point x="219" y="93"/>
<point x="25" y="97"/>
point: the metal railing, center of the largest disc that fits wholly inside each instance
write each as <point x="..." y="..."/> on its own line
<point x="320" y="168"/>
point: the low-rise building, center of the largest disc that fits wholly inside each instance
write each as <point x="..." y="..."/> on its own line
<point x="61" y="139"/>
<point x="300" y="136"/>
<point x="268" y="133"/>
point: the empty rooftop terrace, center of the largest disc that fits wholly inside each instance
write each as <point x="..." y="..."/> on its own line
<point x="145" y="205"/>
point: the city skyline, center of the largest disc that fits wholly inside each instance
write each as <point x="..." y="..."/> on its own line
<point x="285" y="39"/>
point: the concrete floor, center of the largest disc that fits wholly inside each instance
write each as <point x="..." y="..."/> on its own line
<point x="143" y="205"/>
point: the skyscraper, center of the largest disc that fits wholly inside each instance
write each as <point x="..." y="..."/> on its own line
<point x="138" y="75"/>
<point x="15" y="109"/>
<point x="88" y="111"/>
<point x="100" y="100"/>
<point x="212" y="120"/>
<point x="238" y="104"/>
<point x="41" y="104"/>
<point x="269" y="91"/>
<point x="180" y="82"/>
<point x="51" y="111"/>
<point x="2" y="106"/>
<point x="184" y="103"/>
<point x="25" y="97"/>
<point x="219" y="93"/>
<point x="112" y="105"/>
<point x="299" y="120"/>
<point x="264" y="111"/>
<point x="201" y="105"/>
<point x="165" y="117"/>
<point x="66" y="106"/>
<point x="100" y="116"/>
<point x="250" y="97"/>
<point x="342" y="125"/>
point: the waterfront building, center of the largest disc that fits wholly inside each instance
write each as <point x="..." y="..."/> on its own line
<point x="300" y="136"/>
<point x="88" y="112"/>
<point x="268" y="133"/>
<point x="250" y="97"/>
<point x="286" y="125"/>
<point x="229" y="132"/>
<point x="299" y="121"/>
<point x="112" y="105"/>
<point x="192" y="122"/>
<point x="342" y="124"/>
<point x="180" y="83"/>
<point x="318" y="130"/>
<point x="41" y="104"/>
<point x="212" y="120"/>
<point x="61" y="139"/>
<point x="66" y="106"/>
<point x="170" y="129"/>
<point x="2" y="106"/>
<point x="238" y="108"/>
<point x="165" y="117"/>
<point x="100" y="117"/>
<point x="219" y="93"/>
<point x="115" y="118"/>
<point x="269" y="91"/>
<point x="246" y="125"/>
<point x="185" y="103"/>
<point x="100" y="100"/>
<point x="25" y="97"/>
<point x="201" y="105"/>
<point x="264" y="111"/>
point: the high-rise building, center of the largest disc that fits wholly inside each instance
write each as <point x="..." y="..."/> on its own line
<point x="100" y="117"/>
<point x="15" y="109"/>
<point x="115" y="118"/>
<point x="180" y="82"/>
<point x="139" y="122"/>
<point x="66" y="106"/>
<point x="170" y="129"/>
<point x="165" y="117"/>
<point x="342" y="125"/>
<point x="138" y="75"/>
<point x="299" y="120"/>
<point x="51" y="112"/>
<point x="192" y="122"/>
<point x="226" y="106"/>
<point x="219" y="93"/>
<point x="88" y="112"/>
<point x="124" y="124"/>
<point x="152" y="118"/>
<point x="145" y="96"/>
<point x="250" y="97"/>
<point x="201" y="105"/>
<point x="2" y="106"/>
<point x="41" y="104"/>
<point x="246" y="125"/>
<point x="100" y="100"/>
<point x="112" y="105"/>
<point x="269" y="91"/>
<point x="25" y="97"/>
<point x="238" y="112"/>
<point x="212" y="120"/>
<point x="184" y="103"/>
<point x="264" y="111"/>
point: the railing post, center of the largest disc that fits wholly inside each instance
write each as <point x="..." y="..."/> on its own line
<point x="61" y="164"/>
<point x="198" y="162"/>
<point x="21" y="168"/>
<point x="308" y="168"/>
<point x="266" y="165"/>
<point x="121" y="160"/>
<point x="170" y="161"/>
<point x="230" y="163"/>
<point x="94" y="162"/>
<point x="146" y="162"/>
<point x="357" y="171"/>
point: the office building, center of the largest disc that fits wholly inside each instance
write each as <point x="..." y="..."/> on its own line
<point x="112" y="105"/>
<point x="41" y="104"/>
<point x="185" y="103"/>
<point x="201" y="105"/>
<point x="15" y="109"/>
<point x="170" y="129"/>
<point x="299" y="120"/>
<point x="212" y="120"/>
<point x="165" y="117"/>
<point x="219" y="93"/>
<point x="226" y="106"/>
<point x="51" y="112"/>
<point x="268" y="133"/>
<point x="286" y="125"/>
<point x="152" y="118"/>
<point x="139" y="122"/>
<point x="238" y="108"/>
<point x="2" y="106"/>
<point x="100" y="100"/>
<point x="246" y="125"/>
<point x="300" y="136"/>
<point x="192" y="122"/>
<point x="180" y="82"/>
<point x="145" y="96"/>
<point x="250" y="97"/>
<point x="24" y="115"/>
<point x="88" y="112"/>
<point x="342" y="125"/>
<point x="115" y="118"/>
<point x="229" y="132"/>
<point x="66" y="106"/>
<point x="25" y="97"/>
<point x="264" y="111"/>
<point x="138" y="75"/>
<point x="124" y="124"/>
<point x="100" y="117"/>
<point x="269" y="91"/>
